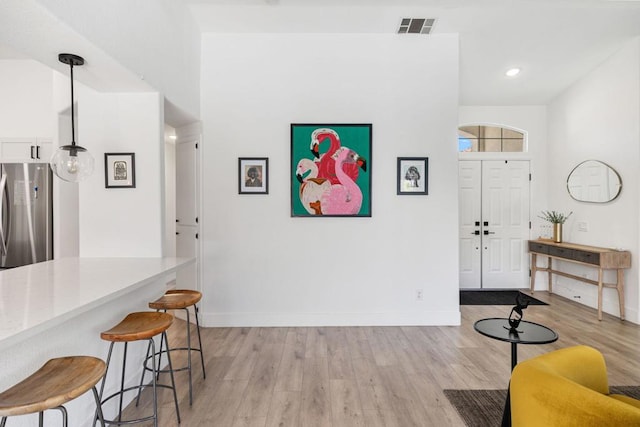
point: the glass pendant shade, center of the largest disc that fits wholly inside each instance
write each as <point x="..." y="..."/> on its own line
<point x="72" y="163"/>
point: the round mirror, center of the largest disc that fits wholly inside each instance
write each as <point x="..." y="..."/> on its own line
<point x="594" y="181"/>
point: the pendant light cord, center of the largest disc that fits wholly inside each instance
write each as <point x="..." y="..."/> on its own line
<point x="73" y="121"/>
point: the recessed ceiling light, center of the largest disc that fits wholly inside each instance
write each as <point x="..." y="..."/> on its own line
<point x="512" y="72"/>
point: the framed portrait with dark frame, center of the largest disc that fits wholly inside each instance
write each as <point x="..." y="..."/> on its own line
<point x="253" y="175"/>
<point x="330" y="170"/>
<point x="120" y="170"/>
<point x="413" y="175"/>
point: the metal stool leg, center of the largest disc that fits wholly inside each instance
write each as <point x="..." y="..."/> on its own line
<point x="63" y="410"/>
<point x="98" y="405"/>
<point x="99" y="398"/>
<point x="186" y="309"/>
<point x="144" y="371"/>
<point x="204" y="374"/>
<point x="124" y="368"/>
<point x="173" y="382"/>
<point x="153" y="381"/>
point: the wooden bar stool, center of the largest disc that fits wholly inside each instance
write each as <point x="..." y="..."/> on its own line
<point x="182" y="299"/>
<point x="137" y="327"/>
<point x="57" y="382"/>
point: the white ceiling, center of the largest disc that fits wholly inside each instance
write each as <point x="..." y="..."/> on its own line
<point x="555" y="42"/>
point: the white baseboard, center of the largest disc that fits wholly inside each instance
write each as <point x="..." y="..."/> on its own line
<point x="427" y="318"/>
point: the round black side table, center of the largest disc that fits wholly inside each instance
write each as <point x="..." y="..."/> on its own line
<point x="526" y="333"/>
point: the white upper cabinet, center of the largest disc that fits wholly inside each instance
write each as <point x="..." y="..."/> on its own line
<point x="27" y="113"/>
<point x="25" y="150"/>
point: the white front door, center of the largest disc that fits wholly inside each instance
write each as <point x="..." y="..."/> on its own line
<point x="494" y="223"/>
<point x="470" y="197"/>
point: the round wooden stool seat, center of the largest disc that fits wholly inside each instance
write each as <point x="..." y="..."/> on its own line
<point x="138" y="326"/>
<point x="176" y="299"/>
<point x="55" y="383"/>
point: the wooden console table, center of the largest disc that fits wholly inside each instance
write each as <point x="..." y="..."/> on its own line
<point x="591" y="256"/>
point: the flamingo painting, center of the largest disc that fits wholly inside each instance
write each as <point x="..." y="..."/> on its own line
<point x="336" y="179"/>
<point x="326" y="161"/>
<point x="311" y="187"/>
<point x="344" y="198"/>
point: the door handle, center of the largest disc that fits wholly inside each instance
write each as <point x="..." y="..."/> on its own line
<point x="32" y="155"/>
<point x="4" y="196"/>
<point x="37" y="152"/>
<point x="476" y="233"/>
<point x="488" y="232"/>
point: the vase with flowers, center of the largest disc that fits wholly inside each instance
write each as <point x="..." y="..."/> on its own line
<point x="557" y="219"/>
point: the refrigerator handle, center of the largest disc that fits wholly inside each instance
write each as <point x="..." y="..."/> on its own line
<point x="4" y="196"/>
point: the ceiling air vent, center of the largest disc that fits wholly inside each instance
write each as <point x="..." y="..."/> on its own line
<point x="416" y="25"/>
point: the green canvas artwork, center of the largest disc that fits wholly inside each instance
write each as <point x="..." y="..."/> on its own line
<point x="330" y="170"/>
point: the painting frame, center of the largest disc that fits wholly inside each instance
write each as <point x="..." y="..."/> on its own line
<point x="413" y="176"/>
<point x="253" y="175"/>
<point x="120" y="170"/>
<point x="315" y="147"/>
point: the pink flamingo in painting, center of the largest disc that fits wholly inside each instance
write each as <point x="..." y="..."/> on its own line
<point x="344" y="198"/>
<point x="311" y="187"/>
<point x="327" y="161"/>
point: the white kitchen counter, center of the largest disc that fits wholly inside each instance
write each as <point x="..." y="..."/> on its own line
<point x="58" y="308"/>
<point x="38" y="297"/>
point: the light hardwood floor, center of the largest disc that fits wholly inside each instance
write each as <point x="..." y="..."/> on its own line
<point x="374" y="376"/>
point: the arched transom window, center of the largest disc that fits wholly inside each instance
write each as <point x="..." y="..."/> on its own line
<point x="495" y="139"/>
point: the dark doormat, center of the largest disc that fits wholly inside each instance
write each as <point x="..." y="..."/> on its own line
<point x="483" y="408"/>
<point x="497" y="297"/>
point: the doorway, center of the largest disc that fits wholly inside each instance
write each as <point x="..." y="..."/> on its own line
<point x="494" y="223"/>
<point x="182" y="201"/>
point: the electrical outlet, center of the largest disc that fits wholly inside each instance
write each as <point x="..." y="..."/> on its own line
<point x="419" y="295"/>
<point x="583" y="226"/>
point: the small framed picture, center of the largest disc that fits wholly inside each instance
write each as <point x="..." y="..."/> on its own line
<point x="120" y="170"/>
<point x="413" y="175"/>
<point x="253" y="175"/>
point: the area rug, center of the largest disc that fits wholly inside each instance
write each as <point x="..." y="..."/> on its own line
<point x="500" y="297"/>
<point x="483" y="408"/>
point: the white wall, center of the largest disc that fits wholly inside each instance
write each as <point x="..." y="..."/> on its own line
<point x="122" y="222"/>
<point x="599" y="118"/>
<point x="262" y="267"/>
<point x="27" y="99"/>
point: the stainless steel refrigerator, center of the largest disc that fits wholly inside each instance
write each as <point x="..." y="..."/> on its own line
<point x="26" y="214"/>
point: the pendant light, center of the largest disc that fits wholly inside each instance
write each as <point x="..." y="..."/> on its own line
<point x="72" y="162"/>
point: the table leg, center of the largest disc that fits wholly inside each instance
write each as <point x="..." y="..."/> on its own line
<point x="549" y="275"/>
<point x="600" y="294"/>
<point x="620" y="287"/>
<point x="534" y="261"/>
<point x="506" y="413"/>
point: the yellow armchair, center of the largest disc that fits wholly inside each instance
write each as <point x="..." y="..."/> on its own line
<point x="568" y="387"/>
